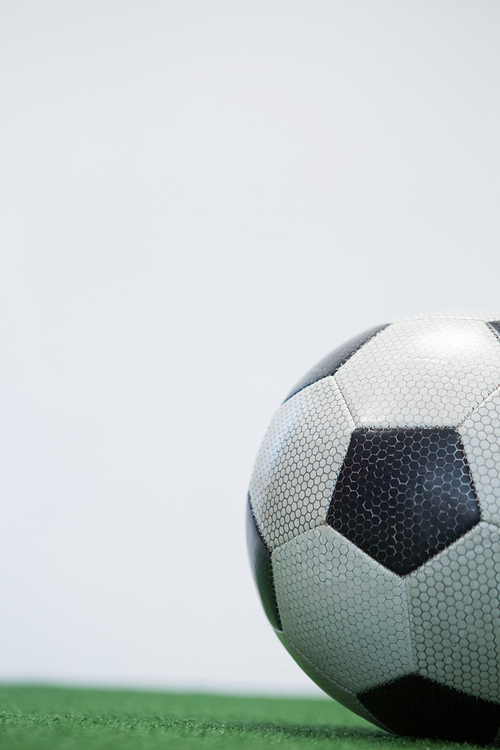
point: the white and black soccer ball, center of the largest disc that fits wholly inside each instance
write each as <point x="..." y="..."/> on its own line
<point x="374" y="525"/>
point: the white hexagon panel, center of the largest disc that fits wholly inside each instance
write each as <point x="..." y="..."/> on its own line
<point x="421" y="372"/>
<point x="480" y="434"/>
<point x="298" y="462"/>
<point x="348" y="698"/>
<point x="454" y="604"/>
<point x="341" y="609"/>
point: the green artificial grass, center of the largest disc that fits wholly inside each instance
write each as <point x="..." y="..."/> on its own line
<point x="49" y="718"/>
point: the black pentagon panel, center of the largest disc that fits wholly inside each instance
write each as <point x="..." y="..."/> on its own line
<point x="334" y="361"/>
<point x="419" y="707"/>
<point x="495" y="326"/>
<point x="262" y="569"/>
<point x="403" y="495"/>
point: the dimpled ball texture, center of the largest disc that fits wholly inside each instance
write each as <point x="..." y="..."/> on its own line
<point x="373" y="525"/>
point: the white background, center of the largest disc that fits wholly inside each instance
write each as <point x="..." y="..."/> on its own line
<point x="200" y="199"/>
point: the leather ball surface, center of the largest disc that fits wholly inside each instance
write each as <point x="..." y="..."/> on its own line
<point x="373" y="525"/>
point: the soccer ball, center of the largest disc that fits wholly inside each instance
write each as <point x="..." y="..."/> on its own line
<point x="374" y="525"/>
